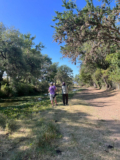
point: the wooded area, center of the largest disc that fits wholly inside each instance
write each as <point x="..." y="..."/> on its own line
<point x="24" y="70"/>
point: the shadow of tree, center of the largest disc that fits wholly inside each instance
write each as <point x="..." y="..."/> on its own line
<point x="87" y="98"/>
<point x="82" y="137"/>
<point x="90" y="138"/>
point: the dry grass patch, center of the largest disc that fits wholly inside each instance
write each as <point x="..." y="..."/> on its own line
<point x="33" y="137"/>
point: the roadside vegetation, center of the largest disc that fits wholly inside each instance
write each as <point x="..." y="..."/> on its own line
<point x="28" y="129"/>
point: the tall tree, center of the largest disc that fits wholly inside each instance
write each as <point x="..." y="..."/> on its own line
<point x="96" y="24"/>
<point x="11" y="54"/>
<point x="20" y="58"/>
<point x="65" y="74"/>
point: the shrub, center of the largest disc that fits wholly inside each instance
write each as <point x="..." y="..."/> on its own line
<point x="23" y="89"/>
<point x="43" y="86"/>
<point x="4" y="81"/>
<point x="6" y="91"/>
<point x="1" y="94"/>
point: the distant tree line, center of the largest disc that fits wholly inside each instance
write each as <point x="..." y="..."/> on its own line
<point x="24" y="70"/>
<point x="92" y="36"/>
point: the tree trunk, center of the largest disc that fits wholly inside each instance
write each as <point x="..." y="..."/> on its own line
<point x="110" y="85"/>
<point x="1" y="78"/>
<point x="107" y="85"/>
<point x="29" y="80"/>
<point x="118" y="86"/>
<point x="95" y="86"/>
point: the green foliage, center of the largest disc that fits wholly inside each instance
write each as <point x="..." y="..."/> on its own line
<point x="65" y="74"/>
<point x="6" y="91"/>
<point x="52" y="72"/>
<point x="91" y="35"/>
<point x="19" y="89"/>
<point x="69" y="4"/>
<point x="97" y="78"/>
<point x="23" y="68"/>
<point x="43" y="87"/>
<point x="23" y="65"/>
<point x="3" y="120"/>
<point x="26" y="108"/>
<point x="114" y="68"/>
<point x="77" y="79"/>
<point x="85" y="75"/>
<point x="25" y="89"/>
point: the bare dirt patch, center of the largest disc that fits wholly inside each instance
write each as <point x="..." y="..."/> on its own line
<point x="106" y="104"/>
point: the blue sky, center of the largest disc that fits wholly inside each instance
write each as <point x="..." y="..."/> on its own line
<point x="35" y="17"/>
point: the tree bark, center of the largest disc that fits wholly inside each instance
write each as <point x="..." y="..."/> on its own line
<point x="1" y="78"/>
<point x="95" y="86"/>
<point x="107" y="85"/>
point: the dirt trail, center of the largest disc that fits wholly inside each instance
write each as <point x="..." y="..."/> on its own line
<point x="106" y="104"/>
<point x="90" y="125"/>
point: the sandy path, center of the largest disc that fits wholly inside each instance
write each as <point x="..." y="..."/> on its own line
<point x="90" y="124"/>
<point x="106" y="104"/>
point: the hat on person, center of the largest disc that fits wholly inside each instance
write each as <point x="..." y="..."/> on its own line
<point x="63" y="83"/>
<point x="51" y="83"/>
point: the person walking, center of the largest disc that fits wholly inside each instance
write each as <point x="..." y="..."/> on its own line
<point x="65" y="93"/>
<point x="52" y="89"/>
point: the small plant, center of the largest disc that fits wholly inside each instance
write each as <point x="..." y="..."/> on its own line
<point x="11" y="125"/>
<point x="52" y="128"/>
<point x="49" y="132"/>
<point x="2" y="120"/>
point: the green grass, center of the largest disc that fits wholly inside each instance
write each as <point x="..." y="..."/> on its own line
<point x="2" y="120"/>
<point x="26" y="107"/>
<point x="30" y="124"/>
<point x="48" y="133"/>
<point x="11" y="126"/>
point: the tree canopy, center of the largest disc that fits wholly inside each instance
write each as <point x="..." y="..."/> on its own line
<point x="94" y="25"/>
<point x="91" y="35"/>
<point x="22" y="62"/>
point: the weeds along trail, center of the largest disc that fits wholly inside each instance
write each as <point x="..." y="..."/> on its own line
<point x="28" y="130"/>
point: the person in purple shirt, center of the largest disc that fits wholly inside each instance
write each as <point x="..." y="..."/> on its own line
<point x="52" y="89"/>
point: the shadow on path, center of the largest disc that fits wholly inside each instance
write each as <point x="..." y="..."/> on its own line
<point x="84" y="138"/>
<point x="94" y="97"/>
